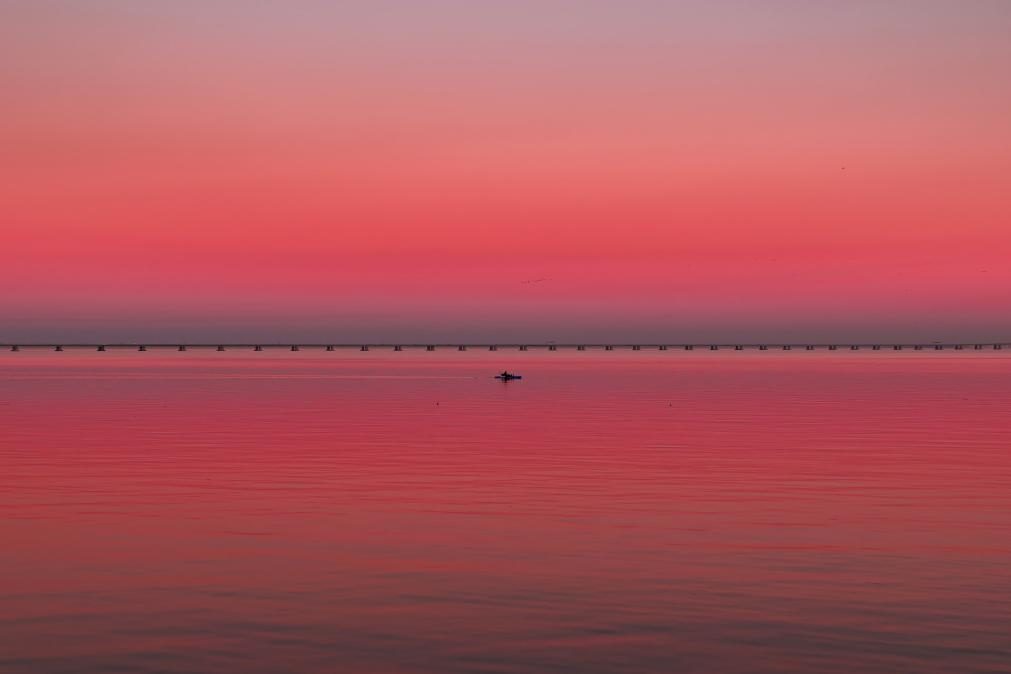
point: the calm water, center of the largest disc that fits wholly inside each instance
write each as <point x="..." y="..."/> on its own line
<point x="404" y="513"/>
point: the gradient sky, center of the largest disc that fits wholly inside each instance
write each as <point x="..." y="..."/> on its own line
<point x="535" y="170"/>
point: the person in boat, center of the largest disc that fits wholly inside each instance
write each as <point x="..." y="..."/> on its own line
<point x="505" y="374"/>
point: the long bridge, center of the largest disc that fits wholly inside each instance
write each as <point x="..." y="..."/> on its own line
<point x="517" y="346"/>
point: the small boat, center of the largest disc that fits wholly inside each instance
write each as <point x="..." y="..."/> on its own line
<point x="508" y="376"/>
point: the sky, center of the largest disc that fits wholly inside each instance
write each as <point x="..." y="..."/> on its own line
<point x="641" y="170"/>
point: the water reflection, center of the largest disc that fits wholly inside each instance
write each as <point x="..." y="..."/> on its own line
<point x="407" y="513"/>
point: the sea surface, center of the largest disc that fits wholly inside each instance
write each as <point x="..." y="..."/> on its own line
<point x="395" y="513"/>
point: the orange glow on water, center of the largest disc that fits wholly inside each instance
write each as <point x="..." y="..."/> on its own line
<point x="387" y="512"/>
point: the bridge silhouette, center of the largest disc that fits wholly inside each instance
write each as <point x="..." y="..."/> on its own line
<point x="516" y="346"/>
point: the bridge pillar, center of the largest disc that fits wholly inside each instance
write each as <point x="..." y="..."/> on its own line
<point x="897" y="347"/>
<point x="854" y="348"/>
<point x="523" y="348"/>
<point x="398" y="348"/>
<point x="738" y="347"/>
<point x="958" y="347"/>
<point x="876" y="347"/>
<point x="182" y="347"/>
<point x="978" y="347"/>
<point x="938" y="347"/>
<point x="142" y="348"/>
<point x="763" y="347"/>
<point x="294" y="347"/>
<point x="462" y="347"/>
<point x="430" y="347"/>
<point x="832" y="347"/>
<point x="101" y="348"/>
<point x="552" y="347"/>
<point x="364" y="347"/>
<point x="493" y="347"/>
<point x="329" y="347"/>
<point x="998" y="347"/>
<point x="220" y="348"/>
<point x="689" y="347"/>
<point x="608" y="348"/>
<point x="713" y="347"/>
<point x="15" y="348"/>
<point x="663" y="347"/>
<point x="257" y="348"/>
<point x="809" y="348"/>
<point x="580" y="348"/>
<point x="635" y="347"/>
<point x="58" y="348"/>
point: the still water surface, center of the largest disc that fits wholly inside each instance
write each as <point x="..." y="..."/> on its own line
<point x="406" y="513"/>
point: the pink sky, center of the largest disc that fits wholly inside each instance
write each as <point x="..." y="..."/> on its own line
<point x="517" y="170"/>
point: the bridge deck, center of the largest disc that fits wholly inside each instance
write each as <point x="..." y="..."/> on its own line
<point x="543" y="346"/>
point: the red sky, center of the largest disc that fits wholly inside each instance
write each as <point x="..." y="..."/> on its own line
<point x="531" y="170"/>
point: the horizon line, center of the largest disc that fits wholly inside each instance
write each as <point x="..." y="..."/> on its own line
<point x="519" y="346"/>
